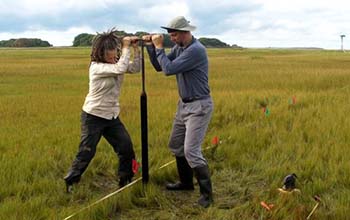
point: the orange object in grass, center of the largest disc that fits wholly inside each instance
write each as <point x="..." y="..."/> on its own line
<point x="266" y="206"/>
<point x="215" y="140"/>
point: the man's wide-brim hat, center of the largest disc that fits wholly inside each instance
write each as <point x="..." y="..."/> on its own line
<point x="179" y="24"/>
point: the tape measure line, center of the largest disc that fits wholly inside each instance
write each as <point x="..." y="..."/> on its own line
<point x="106" y="197"/>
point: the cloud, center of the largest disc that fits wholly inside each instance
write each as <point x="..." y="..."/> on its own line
<point x="24" y="8"/>
<point x="215" y="18"/>
<point x="250" y="23"/>
<point x="55" y="15"/>
<point x="292" y="24"/>
<point x="158" y="14"/>
<point x="57" y="38"/>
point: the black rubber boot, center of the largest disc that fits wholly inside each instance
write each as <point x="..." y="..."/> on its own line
<point x="125" y="178"/>
<point x="204" y="182"/>
<point x="185" y="175"/>
<point x="71" y="178"/>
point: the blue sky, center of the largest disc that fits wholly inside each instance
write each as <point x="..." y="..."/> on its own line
<point x="248" y="23"/>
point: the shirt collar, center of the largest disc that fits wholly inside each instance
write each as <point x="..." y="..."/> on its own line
<point x="192" y="41"/>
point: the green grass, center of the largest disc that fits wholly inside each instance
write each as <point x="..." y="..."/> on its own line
<point x="42" y="92"/>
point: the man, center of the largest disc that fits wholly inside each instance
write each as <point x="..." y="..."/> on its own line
<point x="189" y="62"/>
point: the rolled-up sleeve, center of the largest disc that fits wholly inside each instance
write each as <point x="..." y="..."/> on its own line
<point x="135" y="65"/>
<point x="109" y="69"/>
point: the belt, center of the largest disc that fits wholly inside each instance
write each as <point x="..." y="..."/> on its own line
<point x="192" y="99"/>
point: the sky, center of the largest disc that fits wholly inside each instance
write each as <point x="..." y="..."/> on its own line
<point x="247" y="23"/>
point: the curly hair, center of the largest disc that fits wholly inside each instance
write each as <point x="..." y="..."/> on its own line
<point x="103" y="42"/>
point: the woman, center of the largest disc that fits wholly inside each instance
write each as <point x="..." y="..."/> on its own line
<point x="100" y="113"/>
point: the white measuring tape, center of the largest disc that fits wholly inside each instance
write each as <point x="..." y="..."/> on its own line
<point x="107" y="196"/>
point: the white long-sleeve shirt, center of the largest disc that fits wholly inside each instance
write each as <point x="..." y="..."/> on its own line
<point x="105" y="82"/>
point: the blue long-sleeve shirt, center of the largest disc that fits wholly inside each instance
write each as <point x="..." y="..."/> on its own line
<point x="189" y="64"/>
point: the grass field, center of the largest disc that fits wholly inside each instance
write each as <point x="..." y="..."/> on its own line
<point x="42" y="92"/>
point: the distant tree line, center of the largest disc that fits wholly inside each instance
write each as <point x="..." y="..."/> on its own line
<point x="25" y="42"/>
<point x="85" y="39"/>
<point x="212" y="42"/>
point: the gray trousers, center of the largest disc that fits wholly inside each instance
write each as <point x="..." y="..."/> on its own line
<point x="189" y="128"/>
